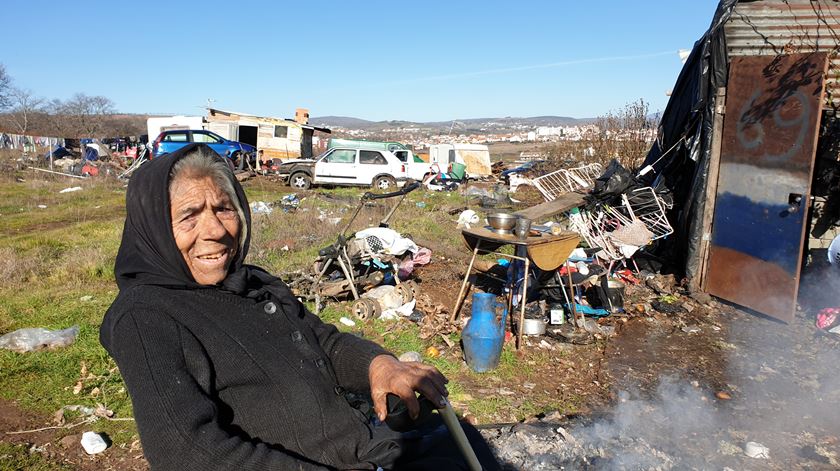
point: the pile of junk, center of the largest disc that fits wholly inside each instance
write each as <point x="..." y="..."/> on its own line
<point x="372" y="267"/>
<point x="611" y="219"/>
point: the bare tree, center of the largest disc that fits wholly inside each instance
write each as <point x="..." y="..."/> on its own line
<point x="625" y="135"/>
<point x="83" y="115"/>
<point x="5" y="88"/>
<point x="24" y="107"/>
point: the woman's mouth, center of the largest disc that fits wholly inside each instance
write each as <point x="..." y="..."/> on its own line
<point x="212" y="259"/>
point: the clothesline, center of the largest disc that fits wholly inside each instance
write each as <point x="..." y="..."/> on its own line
<point x="28" y="143"/>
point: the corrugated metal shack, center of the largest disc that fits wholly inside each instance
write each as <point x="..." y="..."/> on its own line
<point x="274" y="138"/>
<point x="748" y="146"/>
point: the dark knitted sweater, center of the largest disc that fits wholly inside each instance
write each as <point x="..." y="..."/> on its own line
<point x="220" y="381"/>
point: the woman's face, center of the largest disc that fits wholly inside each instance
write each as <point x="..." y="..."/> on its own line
<point x="206" y="227"/>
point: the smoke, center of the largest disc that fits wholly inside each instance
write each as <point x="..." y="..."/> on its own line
<point x="784" y="384"/>
<point x="656" y="432"/>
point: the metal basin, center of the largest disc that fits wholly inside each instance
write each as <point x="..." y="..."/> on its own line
<point x="533" y="327"/>
<point x="502" y="222"/>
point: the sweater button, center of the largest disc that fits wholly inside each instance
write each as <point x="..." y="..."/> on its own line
<point x="320" y="363"/>
<point x="297" y="336"/>
<point x="270" y="307"/>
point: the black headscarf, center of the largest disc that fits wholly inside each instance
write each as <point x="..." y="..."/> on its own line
<point x="148" y="254"/>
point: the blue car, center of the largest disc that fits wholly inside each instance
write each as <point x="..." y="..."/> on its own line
<point x="170" y="141"/>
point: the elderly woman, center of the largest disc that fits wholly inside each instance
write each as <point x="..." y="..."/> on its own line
<point x="225" y="368"/>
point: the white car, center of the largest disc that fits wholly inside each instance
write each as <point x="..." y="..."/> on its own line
<point x="379" y="169"/>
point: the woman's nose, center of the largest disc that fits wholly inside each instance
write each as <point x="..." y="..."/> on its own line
<point x="211" y="226"/>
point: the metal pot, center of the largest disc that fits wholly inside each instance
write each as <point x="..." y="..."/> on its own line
<point x="502" y="222"/>
<point x="533" y="327"/>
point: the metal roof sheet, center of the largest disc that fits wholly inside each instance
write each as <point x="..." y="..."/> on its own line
<point x="771" y="27"/>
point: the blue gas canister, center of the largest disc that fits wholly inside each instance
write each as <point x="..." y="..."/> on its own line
<point x="484" y="335"/>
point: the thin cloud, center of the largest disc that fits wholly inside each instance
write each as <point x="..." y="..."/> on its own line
<point x="533" y="67"/>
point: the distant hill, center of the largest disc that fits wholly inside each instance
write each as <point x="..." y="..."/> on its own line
<point x="341" y="121"/>
<point x="468" y="123"/>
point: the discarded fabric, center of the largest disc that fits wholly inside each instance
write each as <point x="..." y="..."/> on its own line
<point x="828" y="320"/>
<point x="71" y="189"/>
<point x="29" y="339"/>
<point x="391" y="241"/>
<point x="422" y="257"/>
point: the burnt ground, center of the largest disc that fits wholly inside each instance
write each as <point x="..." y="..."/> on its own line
<point x="683" y="390"/>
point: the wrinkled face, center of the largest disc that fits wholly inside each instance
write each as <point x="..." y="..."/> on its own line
<point x="206" y="227"/>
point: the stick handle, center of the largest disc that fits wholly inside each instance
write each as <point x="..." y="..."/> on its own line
<point x="451" y="421"/>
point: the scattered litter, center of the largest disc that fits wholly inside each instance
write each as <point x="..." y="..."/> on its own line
<point x="467" y="219"/>
<point x="36" y="338"/>
<point x="289" y="203"/>
<point x="432" y="352"/>
<point x="723" y="395"/>
<point x="410" y="356"/>
<point x="828" y="319"/>
<point x="260" y="207"/>
<point x="403" y="311"/>
<point x="86" y="298"/>
<point x="100" y="411"/>
<point x="93" y="443"/>
<point x="42" y="206"/>
<point x="756" y="450"/>
<point x="347" y="322"/>
<point x="420" y="204"/>
<point x="691" y="329"/>
<point x="71" y="189"/>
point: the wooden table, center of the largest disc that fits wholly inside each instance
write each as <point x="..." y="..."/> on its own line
<point x="546" y="251"/>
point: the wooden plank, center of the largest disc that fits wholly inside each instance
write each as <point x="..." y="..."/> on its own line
<point x="699" y="280"/>
<point x="561" y="204"/>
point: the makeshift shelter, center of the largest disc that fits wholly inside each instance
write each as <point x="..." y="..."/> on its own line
<point x="274" y="138"/>
<point x="737" y="145"/>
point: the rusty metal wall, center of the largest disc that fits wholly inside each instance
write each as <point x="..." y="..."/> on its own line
<point x="771" y="27"/>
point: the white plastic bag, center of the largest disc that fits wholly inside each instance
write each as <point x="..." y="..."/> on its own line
<point x="36" y="338"/>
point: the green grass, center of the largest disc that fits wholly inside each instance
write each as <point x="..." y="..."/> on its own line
<point x="18" y="457"/>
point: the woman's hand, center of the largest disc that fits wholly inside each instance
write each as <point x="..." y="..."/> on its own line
<point x="389" y="375"/>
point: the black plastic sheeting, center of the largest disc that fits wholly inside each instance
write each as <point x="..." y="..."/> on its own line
<point x="680" y="155"/>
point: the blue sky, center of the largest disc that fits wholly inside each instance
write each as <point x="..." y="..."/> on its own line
<point x="377" y="60"/>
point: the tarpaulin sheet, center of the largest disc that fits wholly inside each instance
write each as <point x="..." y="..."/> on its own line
<point x="680" y="155"/>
